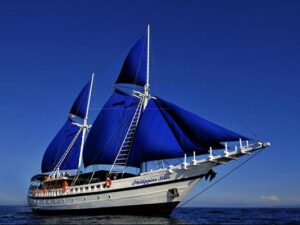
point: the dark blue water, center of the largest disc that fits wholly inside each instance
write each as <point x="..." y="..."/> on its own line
<point x="23" y="215"/>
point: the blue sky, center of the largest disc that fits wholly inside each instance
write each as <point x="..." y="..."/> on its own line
<point x="236" y="63"/>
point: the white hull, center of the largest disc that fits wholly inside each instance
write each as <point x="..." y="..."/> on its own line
<point x="151" y="189"/>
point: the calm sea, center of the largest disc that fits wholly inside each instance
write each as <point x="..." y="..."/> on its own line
<point x="23" y="215"/>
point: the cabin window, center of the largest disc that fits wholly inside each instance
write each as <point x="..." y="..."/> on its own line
<point x="92" y="187"/>
<point x="98" y="186"/>
<point x="86" y="188"/>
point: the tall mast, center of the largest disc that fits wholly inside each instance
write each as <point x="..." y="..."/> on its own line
<point x="148" y="54"/>
<point x="85" y="125"/>
<point x="147" y="85"/>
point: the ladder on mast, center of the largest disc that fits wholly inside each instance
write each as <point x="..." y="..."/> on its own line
<point x="124" y="150"/>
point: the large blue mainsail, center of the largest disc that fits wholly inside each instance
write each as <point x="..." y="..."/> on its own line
<point x="164" y="130"/>
<point x="109" y="129"/>
<point x="65" y="136"/>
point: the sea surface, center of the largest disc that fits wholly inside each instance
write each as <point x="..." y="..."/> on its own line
<point x="23" y="215"/>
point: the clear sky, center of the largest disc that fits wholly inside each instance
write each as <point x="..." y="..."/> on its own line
<point x="236" y="63"/>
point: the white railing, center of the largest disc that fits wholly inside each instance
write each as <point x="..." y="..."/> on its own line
<point x="239" y="150"/>
<point x="68" y="191"/>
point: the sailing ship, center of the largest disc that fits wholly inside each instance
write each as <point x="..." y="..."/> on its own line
<point x="142" y="154"/>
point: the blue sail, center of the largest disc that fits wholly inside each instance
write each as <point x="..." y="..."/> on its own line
<point x="202" y="132"/>
<point x="79" y="107"/>
<point x="109" y="129"/>
<point x="164" y="131"/>
<point x="59" y="145"/>
<point x="134" y="67"/>
<point x="154" y="139"/>
<point x="66" y="134"/>
<point x="163" y="134"/>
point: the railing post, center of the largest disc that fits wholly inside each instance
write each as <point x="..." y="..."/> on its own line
<point x="184" y="163"/>
<point x="194" y="158"/>
<point x="226" y="149"/>
<point x="241" y="144"/>
<point x="210" y="153"/>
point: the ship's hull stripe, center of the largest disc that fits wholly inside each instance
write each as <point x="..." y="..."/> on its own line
<point x="146" y="209"/>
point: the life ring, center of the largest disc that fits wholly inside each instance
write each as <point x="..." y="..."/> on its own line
<point x="108" y="183"/>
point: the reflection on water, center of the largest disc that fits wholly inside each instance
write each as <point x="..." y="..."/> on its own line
<point x="23" y="215"/>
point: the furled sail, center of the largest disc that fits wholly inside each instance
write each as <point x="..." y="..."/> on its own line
<point x="134" y="67"/>
<point x="67" y="136"/>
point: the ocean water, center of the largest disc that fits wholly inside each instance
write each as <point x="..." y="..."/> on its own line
<point x="23" y="215"/>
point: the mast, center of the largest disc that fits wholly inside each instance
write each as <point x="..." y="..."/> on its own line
<point x="148" y="55"/>
<point x="85" y="125"/>
<point x="147" y="85"/>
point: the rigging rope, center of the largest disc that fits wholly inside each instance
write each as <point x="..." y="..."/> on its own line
<point x="227" y="174"/>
